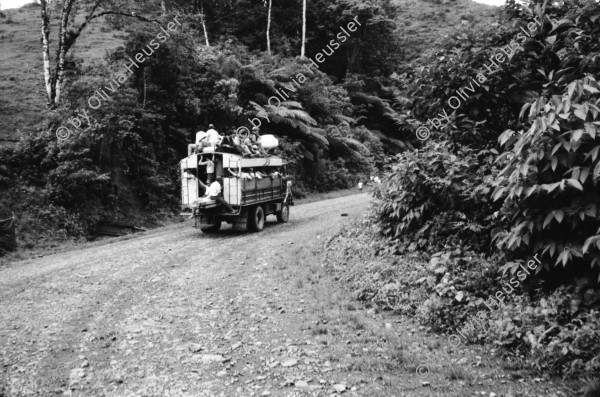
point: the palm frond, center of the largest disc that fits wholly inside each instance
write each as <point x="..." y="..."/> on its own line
<point x="292" y="105"/>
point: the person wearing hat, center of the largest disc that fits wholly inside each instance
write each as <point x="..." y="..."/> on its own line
<point x="201" y="142"/>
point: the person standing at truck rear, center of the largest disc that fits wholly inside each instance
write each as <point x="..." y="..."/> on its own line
<point x="210" y="169"/>
<point x="214" y="193"/>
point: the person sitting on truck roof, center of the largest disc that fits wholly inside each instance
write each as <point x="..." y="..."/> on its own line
<point x="213" y="136"/>
<point x="249" y="147"/>
<point x="214" y="193"/>
<point x="237" y="145"/>
<point x="254" y="136"/>
<point x="201" y="142"/>
<point x="201" y="138"/>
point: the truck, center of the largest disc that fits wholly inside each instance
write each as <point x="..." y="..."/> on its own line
<point x="252" y="199"/>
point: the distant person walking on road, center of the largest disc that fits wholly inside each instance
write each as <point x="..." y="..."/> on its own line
<point x="360" y="185"/>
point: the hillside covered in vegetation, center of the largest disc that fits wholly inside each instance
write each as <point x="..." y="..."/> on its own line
<point x="227" y="64"/>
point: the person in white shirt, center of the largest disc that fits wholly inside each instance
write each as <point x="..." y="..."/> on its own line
<point x="240" y="148"/>
<point x="210" y="168"/>
<point x="201" y="138"/>
<point x="360" y="185"/>
<point x="213" y="136"/>
<point x="201" y="142"/>
<point x="214" y="193"/>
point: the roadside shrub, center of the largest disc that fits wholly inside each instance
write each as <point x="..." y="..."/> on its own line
<point x="434" y="197"/>
<point x="551" y="181"/>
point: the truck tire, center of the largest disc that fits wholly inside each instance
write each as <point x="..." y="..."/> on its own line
<point x="283" y="216"/>
<point x="256" y="219"/>
<point x="212" y="229"/>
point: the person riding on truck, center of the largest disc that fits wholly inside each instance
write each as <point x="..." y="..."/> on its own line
<point x="214" y="193"/>
<point x="210" y="168"/>
<point x="240" y="174"/>
<point x="201" y="142"/>
<point x="212" y="136"/>
<point x="254" y="136"/>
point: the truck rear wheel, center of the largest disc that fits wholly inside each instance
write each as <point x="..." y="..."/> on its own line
<point x="283" y="216"/>
<point x="256" y="219"/>
<point x="212" y="229"/>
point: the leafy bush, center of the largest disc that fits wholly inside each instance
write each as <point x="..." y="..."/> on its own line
<point x="433" y="197"/>
<point x="551" y="179"/>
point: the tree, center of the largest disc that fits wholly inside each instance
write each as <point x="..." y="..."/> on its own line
<point x="268" y="25"/>
<point x="203" y="22"/>
<point x="53" y="78"/>
<point x="303" y="50"/>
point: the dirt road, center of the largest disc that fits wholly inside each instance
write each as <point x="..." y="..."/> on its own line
<point x="173" y="311"/>
<point x="177" y="313"/>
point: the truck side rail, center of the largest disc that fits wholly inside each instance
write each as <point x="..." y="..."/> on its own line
<point x="262" y="190"/>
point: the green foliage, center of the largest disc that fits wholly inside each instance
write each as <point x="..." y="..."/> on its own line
<point x="539" y="196"/>
<point x="433" y="197"/>
<point x="551" y="177"/>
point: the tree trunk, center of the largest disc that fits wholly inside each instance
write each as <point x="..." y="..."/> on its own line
<point x="46" y="51"/>
<point x="205" y="33"/>
<point x="61" y="51"/>
<point x="53" y="79"/>
<point x="303" y="49"/>
<point x="269" y="28"/>
<point x="202" y="20"/>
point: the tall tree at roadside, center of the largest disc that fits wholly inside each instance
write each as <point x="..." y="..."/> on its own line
<point x="303" y="50"/>
<point x="203" y="22"/>
<point x="268" y="25"/>
<point x="53" y="78"/>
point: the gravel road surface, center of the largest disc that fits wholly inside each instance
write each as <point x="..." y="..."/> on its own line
<point x="174" y="312"/>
